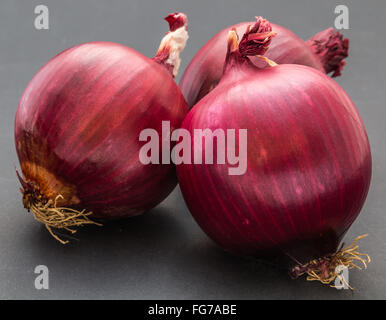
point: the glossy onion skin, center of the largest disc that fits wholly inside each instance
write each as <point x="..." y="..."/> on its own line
<point x="78" y="123"/>
<point x="206" y="68"/>
<point x="309" y="164"/>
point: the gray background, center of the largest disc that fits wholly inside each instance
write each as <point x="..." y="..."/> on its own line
<point x="164" y="254"/>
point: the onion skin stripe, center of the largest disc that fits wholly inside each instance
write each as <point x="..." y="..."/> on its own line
<point x="38" y="92"/>
<point x="84" y="93"/>
<point x="254" y="182"/>
<point x="109" y="174"/>
<point x="120" y="168"/>
<point x="62" y="60"/>
<point x="233" y="124"/>
<point x="228" y="227"/>
<point x="322" y="131"/>
<point x="191" y="188"/>
<point x="104" y="110"/>
<point x="355" y="161"/>
<point x="267" y="210"/>
<point x="300" y="164"/>
<point x="338" y="124"/>
<point x="275" y="184"/>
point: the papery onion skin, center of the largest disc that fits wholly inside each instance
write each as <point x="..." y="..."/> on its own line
<point x="78" y="123"/>
<point x="309" y="163"/>
<point x="325" y="52"/>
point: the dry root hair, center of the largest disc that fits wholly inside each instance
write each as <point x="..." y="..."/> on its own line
<point x="53" y="216"/>
<point x="324" y="269"/>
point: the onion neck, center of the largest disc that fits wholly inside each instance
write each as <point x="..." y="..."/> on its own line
<point x="173" y="43"/>
<point x="331" y="49"/>
<point x="255" y="42"/>
<point x="234" y="60"/>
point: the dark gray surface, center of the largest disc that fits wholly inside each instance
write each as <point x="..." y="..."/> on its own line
<point x="164" y="254"/>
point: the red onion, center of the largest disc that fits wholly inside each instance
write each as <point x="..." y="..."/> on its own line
<point x="308" y="161"/>
<point x="325" y="51"/>
<point x="77" y="130"/>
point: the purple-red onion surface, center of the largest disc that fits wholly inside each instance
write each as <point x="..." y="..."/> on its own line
<point x="77" y="130"/>
<point x="308" y="161"/>
<point x="325" y="51"/>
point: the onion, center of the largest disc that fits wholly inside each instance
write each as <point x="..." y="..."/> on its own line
<point x="77" y="131"/>
<point x="308" y="162"/>
<point x="325" y="52"/>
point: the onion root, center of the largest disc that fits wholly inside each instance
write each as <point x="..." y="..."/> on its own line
<point x="53" y="216"/>
<point x="324" y="269"/>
